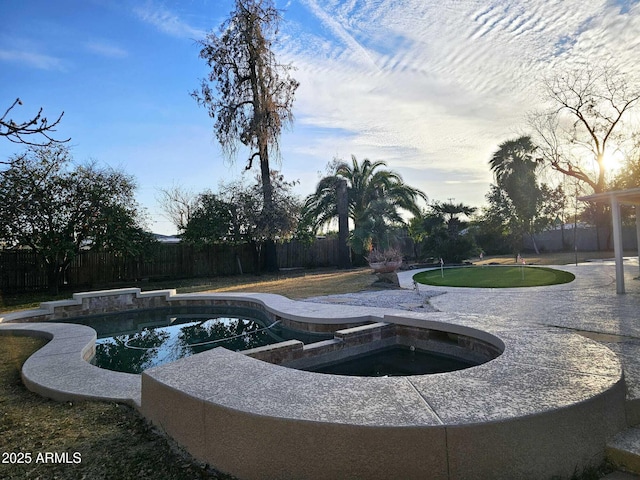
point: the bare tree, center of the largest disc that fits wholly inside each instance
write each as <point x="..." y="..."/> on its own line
<point x="34" y="132"/>
<point x="178" y="205"/>
<point x="585" y="122"/>
<point x="253" y="94"/>
<point x="584" y="125"/>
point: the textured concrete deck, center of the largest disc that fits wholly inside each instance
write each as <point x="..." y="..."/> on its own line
<point x="588" y="305"/>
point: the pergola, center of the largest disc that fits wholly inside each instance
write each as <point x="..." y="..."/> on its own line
<point x="615" y="199"/>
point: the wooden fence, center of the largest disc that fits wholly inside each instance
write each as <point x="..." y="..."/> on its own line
<point x="585" y="239"/>
<point x="22" y="270"/>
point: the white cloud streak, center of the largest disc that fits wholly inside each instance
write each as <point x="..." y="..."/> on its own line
<point x="105" y="49"/>
<point x="32" y="59"/>
<point x="167" y="21"/>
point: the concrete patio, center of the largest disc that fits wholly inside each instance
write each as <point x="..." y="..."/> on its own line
<point x="589" y="305"/>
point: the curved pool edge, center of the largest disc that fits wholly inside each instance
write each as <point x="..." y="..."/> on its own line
<point x="60" y="370"/>
<point x="554" y="393"/>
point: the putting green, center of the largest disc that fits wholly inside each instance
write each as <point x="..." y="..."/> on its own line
<point x="494" y="277"/>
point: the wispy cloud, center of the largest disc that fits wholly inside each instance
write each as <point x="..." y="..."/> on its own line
<point x="167" y="21"/>
<point x="340" y="30"/>
<point x="106" y="49"/>
<point x="32" y="59"/>
<point x="441" y="84"/>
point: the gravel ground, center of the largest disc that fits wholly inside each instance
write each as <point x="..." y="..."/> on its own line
<point x="401" y="299"/>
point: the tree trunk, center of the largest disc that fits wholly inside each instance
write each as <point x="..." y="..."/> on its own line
<point x="270" y="256"/>
<point x="344" y="257"/>
<point x="270" y="251"/>
<point x="255" y="253"/>
<point x="53" y="278"/>
<point x="603" y="227"/>
<point x="535" y="246"/>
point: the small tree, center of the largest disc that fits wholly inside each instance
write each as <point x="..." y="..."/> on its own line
<point x="213" y="220"/>
<point x="501" y="228"/>
<point x="178" y="205"/>
<point x="489" y="228"/>
<point x="59" y="212"/>
<point x="236" y="214"/>
<point x="629" y="175"/>
<point x="254" y="92"/>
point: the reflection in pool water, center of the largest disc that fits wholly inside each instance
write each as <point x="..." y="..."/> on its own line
<point x="153" y="346"/>
<point x="134" y="341"/>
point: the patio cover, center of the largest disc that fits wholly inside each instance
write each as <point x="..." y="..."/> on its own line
<point x="615" y="199"/>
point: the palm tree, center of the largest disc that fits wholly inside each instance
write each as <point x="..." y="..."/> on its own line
<point x="376" y="196"/>
<point x="514" y="167"/>
<point x="440" y="232"/>
<point x="513" y="157"/>
<point x="451" y="212"/>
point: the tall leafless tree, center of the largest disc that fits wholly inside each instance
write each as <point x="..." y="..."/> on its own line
<point x="585" y="121"/>
<point x="178" y="204"/>
<point x="248" y="92"/>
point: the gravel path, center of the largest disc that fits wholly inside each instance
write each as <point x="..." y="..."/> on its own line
<point x="402" y="299"/>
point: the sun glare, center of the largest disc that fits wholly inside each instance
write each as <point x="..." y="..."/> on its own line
<point x="613" y="161"/>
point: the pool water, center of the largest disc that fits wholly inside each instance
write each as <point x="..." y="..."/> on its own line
<point x="135" y="341"/>
<point x="395" y="361"/>
<point x="178" y="337"/>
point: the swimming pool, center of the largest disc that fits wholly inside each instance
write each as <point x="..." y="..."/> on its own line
<point x="134" y="341"/>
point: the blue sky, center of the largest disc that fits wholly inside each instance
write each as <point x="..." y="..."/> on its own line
<point x="430" y="87"/>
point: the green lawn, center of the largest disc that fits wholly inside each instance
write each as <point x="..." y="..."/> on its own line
<point x="494" y="277"/>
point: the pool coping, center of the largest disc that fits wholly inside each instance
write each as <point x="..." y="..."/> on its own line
<point x="541" y="373"/>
